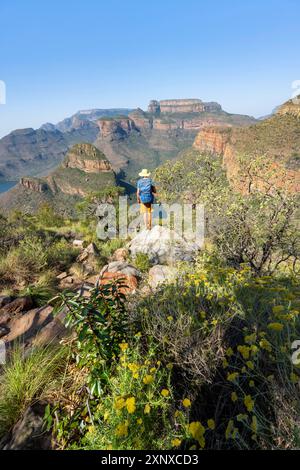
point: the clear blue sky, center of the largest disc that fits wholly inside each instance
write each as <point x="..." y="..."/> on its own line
<point x="57" y="57"/>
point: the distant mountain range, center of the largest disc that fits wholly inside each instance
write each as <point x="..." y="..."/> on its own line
<point x="130" y="138"/>
<point x="124" y="144"/>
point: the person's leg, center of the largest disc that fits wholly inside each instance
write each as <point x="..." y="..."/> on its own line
<point x="146" y="219"/>
<point x="150" y="219"/>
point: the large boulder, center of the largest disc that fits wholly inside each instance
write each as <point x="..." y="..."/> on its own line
<point x="120" y="267"/>
<point x="162" y="246"/>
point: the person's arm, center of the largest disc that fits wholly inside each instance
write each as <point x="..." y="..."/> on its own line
<point x="138" y="196"/>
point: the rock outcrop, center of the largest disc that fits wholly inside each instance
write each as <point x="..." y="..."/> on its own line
<point x="84" y="170"/>
<point x="34" y="184"/>
<point x="162" y="246"/>
<point x="116" y="129"/>
<point x="276" y="138"/>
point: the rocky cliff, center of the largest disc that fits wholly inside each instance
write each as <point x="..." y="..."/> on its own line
<point x="84" y="170"/>
<point x="129" y="138"/>
<point x="182" y="106"/>
<point x="277" y="139"/>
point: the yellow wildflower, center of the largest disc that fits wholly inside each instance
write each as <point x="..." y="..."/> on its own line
<point x="249" y="339"/>
<point x="278" y="309"/>
<point x="158" y="363"/>
<point x="170" y="318"/>
<point x="170" y="366"/>
<point x="234" y="396"/>
<point x="186" y="402"/>
<point x="244" y="350"/>
<point x="232" y="377"/>
<point x="197" y="431"/>
<point x="265" y="344"/>
<point x="130" y="405"/>
<point x="176" y="442"/>
<point x="251" y="383"/>
<point x="148" y="379"/>
<point x="119" y="403"/>
<point x="123" y="346"/>
<point x="275" y="326"/>
<point x="229" y="352"/>
<point x="139" y="421"/>
<point x="250" y="365"/>
<point x="122" y="429"/>
<point x="211" y="424"/>
<point x="152" y="370"/>
<point x="249" y="402"/>
<point x="165" y="392"/>
<point x="254" y="349"/>
<point x="147" y="409"/>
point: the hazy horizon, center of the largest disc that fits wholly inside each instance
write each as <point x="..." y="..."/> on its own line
<point x="61" y="57"/>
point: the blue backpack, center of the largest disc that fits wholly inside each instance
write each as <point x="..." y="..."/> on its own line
<point x="145" y="187"/>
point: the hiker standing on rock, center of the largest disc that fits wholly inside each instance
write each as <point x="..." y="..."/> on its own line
<point x="145" y="196"/>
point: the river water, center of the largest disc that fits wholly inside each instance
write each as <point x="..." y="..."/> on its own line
<point x="6" y="185"/>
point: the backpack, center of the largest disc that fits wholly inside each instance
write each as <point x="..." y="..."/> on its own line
<point x="145" y="187"/>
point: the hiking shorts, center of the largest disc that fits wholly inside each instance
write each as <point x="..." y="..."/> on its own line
<point x="146" y="208"/>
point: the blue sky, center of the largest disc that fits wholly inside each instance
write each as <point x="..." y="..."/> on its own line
<point x="57" y="57"/>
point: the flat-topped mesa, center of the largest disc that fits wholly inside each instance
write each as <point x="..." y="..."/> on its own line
<point x="115" y="128"/>
<point x="87" y="158"/>
<point x="183" y="106"/>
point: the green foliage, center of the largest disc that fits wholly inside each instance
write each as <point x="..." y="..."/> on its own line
<point x="25" y="379"/>
<point x="48" y="217"/>
<point x="142" y="262"/>
<point x="100" y="324"/>
<point x="61" y="254"/>
<point x="229" y="336"/>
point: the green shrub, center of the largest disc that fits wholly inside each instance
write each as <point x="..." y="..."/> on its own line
<point x="61" y="254"/>
<point x="142" y="262"/>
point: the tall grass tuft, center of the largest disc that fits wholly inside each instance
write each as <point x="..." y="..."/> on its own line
<point x="26" y="379"/>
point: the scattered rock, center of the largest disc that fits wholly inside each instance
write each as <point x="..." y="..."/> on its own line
<point x="62" y="276"/>
<point x="129" y="280"/>
<point x="21" y="304"/>
<point x="162" y="246"/>
<point x="29" y="433"/>
<point x="78" y="243"/>
<point x="89" y="258"/>
<point x="121" y="254"/>
<point x="120" y="267"/>
<point x="52" y="332"/>
<point x="26" y="325"/>
<point x="4" y="300"/>
<point x="160" y="274"/>
<point x="90" y="251"/>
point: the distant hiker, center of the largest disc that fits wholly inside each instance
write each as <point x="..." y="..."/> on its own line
<point x="145" y="196"/>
